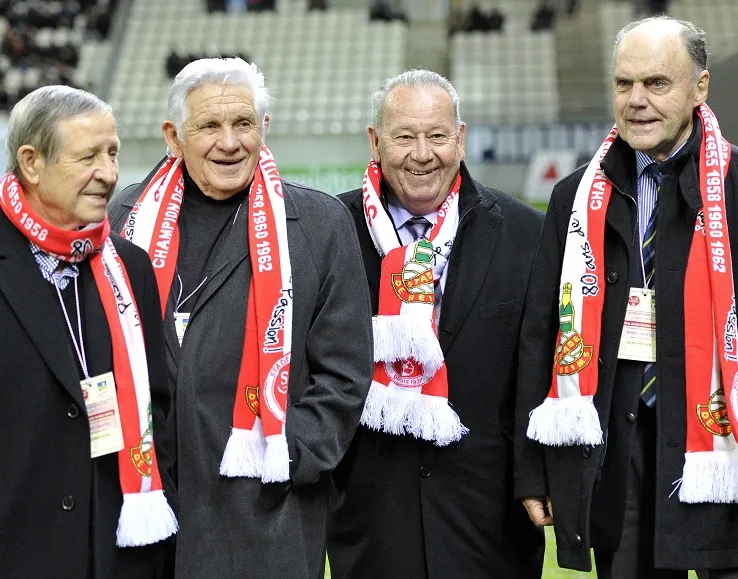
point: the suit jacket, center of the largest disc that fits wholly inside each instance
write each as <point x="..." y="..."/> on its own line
<point x="238" y="526"/>
<point x="59" y="508"/>
<point x="406" y="508"/>
<point x="587" y="484"/>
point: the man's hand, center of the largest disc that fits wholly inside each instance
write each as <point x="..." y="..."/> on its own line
<point x="539" y="510"/>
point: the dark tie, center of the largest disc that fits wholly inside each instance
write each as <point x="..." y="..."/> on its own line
<point x="417" y="226"/>
<point x="648" y="251"/>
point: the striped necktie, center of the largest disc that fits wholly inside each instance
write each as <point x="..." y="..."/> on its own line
<point x="648" y="251"/>
<point x="417" y="226"/>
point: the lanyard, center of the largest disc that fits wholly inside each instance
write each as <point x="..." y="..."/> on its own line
<point x="79" y="347"/>
<point x="181" y="301"/>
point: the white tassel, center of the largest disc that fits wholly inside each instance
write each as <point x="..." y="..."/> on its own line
<point x="710" y="477"/>
<point x="394" y="411"/>
<point x="145" y="518"/>
<point x="407" y="336"/>
<point x="276" y="460"/>
<point x="244" y="453"/>
<point x="565" y="422"/>
<point x="431" y="418"/>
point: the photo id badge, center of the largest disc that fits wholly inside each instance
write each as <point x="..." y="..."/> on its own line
<point x="180" y="325"/>
<point x="638" y="340"/>
<point x="101" y="400"/>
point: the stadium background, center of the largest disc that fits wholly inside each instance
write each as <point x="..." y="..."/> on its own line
<point x="532" y="74"/>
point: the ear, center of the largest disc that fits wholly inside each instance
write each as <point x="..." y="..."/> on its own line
<point x="267" y="118"/>
<point x="172" y="138"/>
<point x="373" y="137"/>
<point x="702" y="88"/>
<point x="30" y="164"/>
<point x="462" y="141"/>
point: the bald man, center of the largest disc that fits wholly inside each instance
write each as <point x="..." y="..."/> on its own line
<point x="624" y="421"/>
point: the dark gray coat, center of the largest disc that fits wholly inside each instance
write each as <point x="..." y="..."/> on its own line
<point x="239" y="527"/>
<point x="587" y="485"/>
<point x="406" y="508"/>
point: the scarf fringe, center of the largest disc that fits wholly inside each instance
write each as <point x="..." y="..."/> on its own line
<point x="430" y="418"/>
<point x="407" y="336"/>
<point x="145" y="518"/>
<point x="244" y="453"/>
<point x="565" y="422"/>
<point x="709" y="477"/>
<point x="276" y="466"/>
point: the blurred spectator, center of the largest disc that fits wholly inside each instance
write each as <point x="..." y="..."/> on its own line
<point x="476" y="20"/>
<point x="235" y="5"/>
<point x="176" y="62"/>
<point x="544" y="18"/>
<point x="382" y="10"/>
<point x="39" y="46"/>
<point x="317" y="5"/>
<point x="215" y="5"/>
<point x="656" y="7"/>
<point x="261" y="5"/>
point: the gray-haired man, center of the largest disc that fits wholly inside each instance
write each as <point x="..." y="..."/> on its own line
<point x="426" y="488"/>
<point x="83" y="395"/>
<point x="267" y="326"/>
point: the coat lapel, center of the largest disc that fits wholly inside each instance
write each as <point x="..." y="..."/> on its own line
<point x="470" y="259"/>
<point x="35" y="307"/>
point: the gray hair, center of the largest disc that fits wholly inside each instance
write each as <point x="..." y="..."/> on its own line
<point x="694" y="39"/>
<point x="412" y="78"/>
<point x="34" y="120"/>
<point x="230" y="71"/>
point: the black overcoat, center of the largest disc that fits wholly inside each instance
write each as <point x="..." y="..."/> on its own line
<point x="587" y="484"/>
<point x="239" y="527"/>
<point x="59" y="508"/>
<point x="406" y="508"/>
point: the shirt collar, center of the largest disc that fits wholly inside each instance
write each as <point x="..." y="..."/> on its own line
<point x="643" y="160"/>
<point x="48" y="266"/>
<point x="400" y="215"/>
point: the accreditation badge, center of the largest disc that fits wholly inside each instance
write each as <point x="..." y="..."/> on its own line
<point x="638" y="340"/>
<point x="101" y="400"/>
<point x="181" y="320"/>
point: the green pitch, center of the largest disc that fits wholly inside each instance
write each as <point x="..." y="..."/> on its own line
<point x="550" y="569"/>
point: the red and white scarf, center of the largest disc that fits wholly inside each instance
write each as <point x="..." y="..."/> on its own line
<point x="257" y="446"/>
<point x="409" y="391"/>
<point x="568" y="416"/>
<point x="145" y="515"/>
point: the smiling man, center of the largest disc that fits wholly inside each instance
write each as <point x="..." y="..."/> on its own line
<point x="83" y="394"/>
<point x="425" y="490"/>
<point x="267" y="326"/>
<point x="625" y="411"/>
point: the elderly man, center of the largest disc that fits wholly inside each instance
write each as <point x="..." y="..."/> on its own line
<point x="630" y="328"/>
<point x="84" y="388"/>
<point x="267" y="325"/>
<point x="426" y="488"/>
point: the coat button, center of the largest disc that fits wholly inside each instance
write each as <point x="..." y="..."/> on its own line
<point x="424" y="471"/>
<point x="612" y="277"/>
<point x="73" y="411"/>
<point x="586" y="451"/>
<point x="631" y="417"/>
<point x="67" y="503"/>
<point x="578" y="539"/>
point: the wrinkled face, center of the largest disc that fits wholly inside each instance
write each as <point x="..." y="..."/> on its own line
<point x="75" y="190"/>
<point x="418" y="146"/>
<point x="655" y="89"/>
<point x="221" y="139"/>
